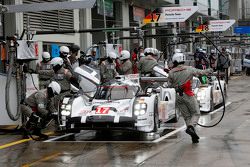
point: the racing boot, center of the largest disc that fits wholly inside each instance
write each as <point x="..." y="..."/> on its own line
<point x="191" y="131"/>
<point x="37" y="132"/>
<point x="32" y="122"/>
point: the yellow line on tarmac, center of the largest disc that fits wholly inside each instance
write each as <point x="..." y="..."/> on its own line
<point x="43" y="159"/>
<point x="19" y="142"/>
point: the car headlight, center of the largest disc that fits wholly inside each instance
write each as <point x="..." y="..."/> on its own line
<point x="137" y="112"/>
<point x="142" y="112"/>
<point x="63" y="106"/>
<point x="68" y="107"/>
<point x="140" y="109"/>
<point x="65" y="113"/>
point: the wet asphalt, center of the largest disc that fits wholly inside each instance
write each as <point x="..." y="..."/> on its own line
<point x="226" y="145"/>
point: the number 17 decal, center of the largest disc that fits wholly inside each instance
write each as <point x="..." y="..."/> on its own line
<point x="102" y="110"/>
<point x="155" y="17"/>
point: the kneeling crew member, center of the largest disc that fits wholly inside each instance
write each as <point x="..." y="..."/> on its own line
<point x="38" y="106"/>
<point x="181" y="78"/>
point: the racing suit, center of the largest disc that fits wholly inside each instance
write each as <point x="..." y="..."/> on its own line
<point x="63" y="77"/>
<point x="125" y="67"/>
<point x="37" y="107"/>
<point x="45" y="72"/>
<point x="181" y="78"/>
<point x="107" y="71"/>
<point x="146" y="65"/>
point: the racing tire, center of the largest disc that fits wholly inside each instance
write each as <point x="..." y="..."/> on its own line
<point x="156" y="116"/>
<point x="211" y="102"/>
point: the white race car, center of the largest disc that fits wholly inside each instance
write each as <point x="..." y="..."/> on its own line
<point x="117" y="105"/>
<point x="209" y="95"/>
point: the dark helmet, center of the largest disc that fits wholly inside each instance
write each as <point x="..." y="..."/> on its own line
<point x="74" y="48"/>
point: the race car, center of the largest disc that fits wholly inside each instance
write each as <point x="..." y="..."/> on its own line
<point x="209" y="95"/>
<point x="119" y="104"/>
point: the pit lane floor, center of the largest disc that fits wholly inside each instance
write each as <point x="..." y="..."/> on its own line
<point x="227" y="144"/>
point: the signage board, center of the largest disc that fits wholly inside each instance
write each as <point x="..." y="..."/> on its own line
<point x="170" y="14"/>
<point x="242" y="30"/>
<point x="55" y="50"/>
<point x="215" y="26"/>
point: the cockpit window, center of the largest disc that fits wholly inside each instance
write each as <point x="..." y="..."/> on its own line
<point x="116" y="92"/>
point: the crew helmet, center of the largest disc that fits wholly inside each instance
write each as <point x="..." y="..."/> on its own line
<point x="149" y="51"/>
<point x="64" y="51"/>
<point x="212" y="51"/>
<point x="156" y="52"/>
<point x="74" y="48"/>
<point x="124" y="55"/>
<point x="57" y="61"/>
<point x="177" y="51"/>
<point x="56" y="88"/>
<point x="46" y="55"/>
<point x="112" y="55"/>
<point x="228" y="51"/>
<point x="204" y="51"/>
<point x="179" y="57"/>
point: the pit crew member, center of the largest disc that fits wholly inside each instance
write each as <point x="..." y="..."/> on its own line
<point x="180" y="78"/>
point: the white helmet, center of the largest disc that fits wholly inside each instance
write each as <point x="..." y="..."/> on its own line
<point x="112" y="55"/>
<point x="156" y="52"/>
<point x="124" y="55"/>
<point x="149" y="51"/>
<point x="212" y="51"/>
<point x="45" y="55"/>
<point x="57" y="61"/>
<point x="228" y="51"/>
<point x="64" y="51"/>
<point x="177" y="51"/>
<point x="56" y="88"/>
<point x="179" y="57"/>
<point x="204" y="51"/>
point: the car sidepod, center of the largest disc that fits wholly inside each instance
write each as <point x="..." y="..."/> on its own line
<point x="204" y="97"/>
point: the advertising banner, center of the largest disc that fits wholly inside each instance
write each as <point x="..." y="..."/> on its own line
<point x="170" y="14"/>
<point x="215" y="26"/>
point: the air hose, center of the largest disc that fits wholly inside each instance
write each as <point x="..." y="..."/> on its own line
<point x="12" y="55"/>
<point x="222" y="94"/>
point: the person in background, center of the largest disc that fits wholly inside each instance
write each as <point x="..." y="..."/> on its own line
<point x="200" y="58"/>
<point x="135" y="61"/>
<point x="74" y="50"/>
<point x="212" y="60"/>
<point x="223" y="63"/>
